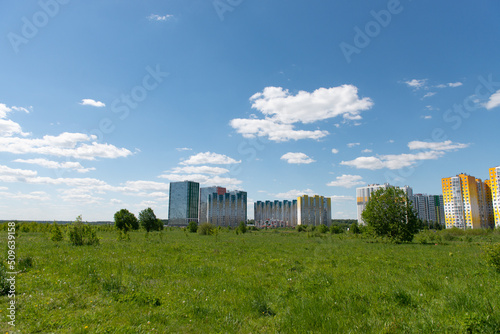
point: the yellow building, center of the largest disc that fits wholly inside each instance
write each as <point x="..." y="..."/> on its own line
<point x="494" y="184"/>
<point x="464" y="202"/>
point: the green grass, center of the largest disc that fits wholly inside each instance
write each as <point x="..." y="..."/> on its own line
<point x="258" y="282"/>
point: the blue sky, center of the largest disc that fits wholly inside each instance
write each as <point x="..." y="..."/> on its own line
<point x="103" y="103"/>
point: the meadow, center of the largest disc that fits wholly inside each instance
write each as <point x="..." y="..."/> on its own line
<point x="273" y="281"/>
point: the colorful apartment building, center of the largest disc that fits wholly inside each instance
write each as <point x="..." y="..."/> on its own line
<point x="314" y="210"/>
<point x="494" y="184"/>
<point x="465" y="202"/>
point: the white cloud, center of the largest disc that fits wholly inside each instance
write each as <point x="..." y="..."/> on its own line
<point x="34" y="195"/>
<point x="200" y="170"/>
<point x="56" y="165"/>
<point x="338" y="198"/>
<point x="156" y="17"/>
<point x="494" y="101"/>
<point x="63" y="145"/>
<point x="205" y="180"/>
<point x="209" y="158"/>
<point x="8" y="127"/>
<point x="275" y="131"/>
<point x="367" y="150"/>
<point x="450" y="84"/>
<point x="297" y="158"/>
<point x="181" y="149"/>
<point x="282" y="110"/>
<point x="293" y="194"/>
<point x="92" y="103"/>
<point x="335" y="151"/>
<point x="429" y="95"/>
<point x="397" y="161"/>
<point x="140" y="185"/>
<point x="428" y="117"/>
<point x="347" y="181"/>
<point x="436" y="146"/>
<point x="351" y="145"/>
<point x="417" y="84"/>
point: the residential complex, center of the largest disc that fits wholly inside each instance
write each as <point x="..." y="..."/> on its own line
<point x="275" y="213"/>
<point x="314" y="210"/>
<point x="429" y="208"/>
<point x="468" y="201"/>
<point x="187" y="202"/>
<point x="363" y="195"/>
<point x="228" y="209"/>
<point x="494" y="184"/>
<point x="305" y="210"/>
<point x="183" y="203"/>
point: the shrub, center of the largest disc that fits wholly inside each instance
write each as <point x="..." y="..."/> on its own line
<point x="242" y="228"/>
<point x="192" y="227"/>
<point x="25" y="263"/>
<point x="301" y="228"/>
<point x="322" y="228"/>
<point x="206" y="229"/>
<point x="4" y="284"/>
<point x="82" y="234"/>
<point x="493" y="256"/>
<point x="57" y="234"/>
<point x="335" y="229"/>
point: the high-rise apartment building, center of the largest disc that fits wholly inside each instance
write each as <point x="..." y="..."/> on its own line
<point x="228" y="209"/>
<point x="429" y="208"/>
<point x="183" y="203"/>
<point x="314" y="210"/>
<point x="363" y="195"/>
<point x="275" y="213"/>
<point x="465" y="202"/>
<point x="204" y="195"/>
<point x="494" y="184"/>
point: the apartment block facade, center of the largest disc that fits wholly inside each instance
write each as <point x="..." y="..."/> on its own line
<point x="228" y="209"/>
<point x="429" y="208"/>
<point x="203" y="212"/>
<point x="275" y="213"/>
<point x="314" y="210"/>
<point x="494" y="184"/>
<point x="466" y="202"/>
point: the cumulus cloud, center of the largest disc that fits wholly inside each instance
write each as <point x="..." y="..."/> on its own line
<point x="351" y="145"/>
<point x="8" y="127"/>
<point x="494" y="101"/>
<point x="56" y="165"/>
<point x="297" y="158"/>
<point x="281" y="110"/>
<point x="347" y="181"/>
<point x="416" y="83"/>
<point x="206" y="180"/>
<point x="367" y="150"/>
<point x="435" y="150"/>
<point x="181" y="149"/>
<point x="450" y="84"/>
<point x="209" y="158"/>
<point x="64" y="145"/>
<point x="34" y="195"/>
<point x="92" y="103"/>
<point x="335" y="151"/>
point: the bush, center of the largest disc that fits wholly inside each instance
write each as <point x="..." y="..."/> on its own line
<point x="493" y="256"/>
<point x="4" y="284"/>
<point x="206" y="229"/>
<point x="335" y="229"/>
<point x="322" y="228"/>
<point x="82" y="234"/>
<point x="57" y="234"/>
<point x="192" y="227"/>
<point x="25" y="263"/>
<point x="301" y="228"/>
<point x="242" y="228"/>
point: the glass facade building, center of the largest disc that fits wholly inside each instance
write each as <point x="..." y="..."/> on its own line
<point x="205" y="193"/>
<point x="183" y="203"/>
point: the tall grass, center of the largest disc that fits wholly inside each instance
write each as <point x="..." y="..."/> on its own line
<point x="259" y="282"/>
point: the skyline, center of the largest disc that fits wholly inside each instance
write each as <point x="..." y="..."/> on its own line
<point x="103" y="105"/>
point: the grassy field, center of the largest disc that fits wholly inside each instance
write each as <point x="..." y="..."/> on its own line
<point x="258" y="282"/>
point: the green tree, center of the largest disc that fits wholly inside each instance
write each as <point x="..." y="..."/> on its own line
<point x="126" y="221"/>
<point x="82" y="234"/>
<point x="148" y="220"/>
<point x="322" y="228"/>
<point x="57" y="234"/>
<point x="389" y="213"/>
<point x="192" y="227"/>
